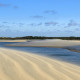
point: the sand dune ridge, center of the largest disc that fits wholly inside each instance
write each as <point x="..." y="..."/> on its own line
<point x="17" y="65"/>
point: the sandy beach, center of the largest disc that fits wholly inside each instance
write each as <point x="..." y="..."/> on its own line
<point x="18" y="65"/>
<point x="49" y="43"/>
<point x="73" y="45"/>
<point x="13" y="40"/>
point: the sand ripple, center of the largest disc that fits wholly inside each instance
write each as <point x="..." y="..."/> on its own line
<point x="17" y="65"/>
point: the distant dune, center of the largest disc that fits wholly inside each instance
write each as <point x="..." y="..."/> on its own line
<point x="73" y="45"/>
<point x="17" y="65"/>
<point x="49" y="43"/>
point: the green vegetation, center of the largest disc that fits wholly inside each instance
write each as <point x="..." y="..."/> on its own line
<point x="39" y="37"/>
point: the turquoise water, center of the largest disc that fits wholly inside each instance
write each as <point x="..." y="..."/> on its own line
<point x="58" y="53"/>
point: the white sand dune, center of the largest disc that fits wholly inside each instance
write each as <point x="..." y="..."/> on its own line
<point x="17" y="65"/>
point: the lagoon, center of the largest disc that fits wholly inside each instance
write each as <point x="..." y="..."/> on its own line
<point x="57" y="53"/>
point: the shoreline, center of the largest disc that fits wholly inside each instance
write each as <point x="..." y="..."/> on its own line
<point x="19" y="65"/>
<point x="54" y="43"/>
<point x="73" y="50"/>
<point x="68" y="47"/>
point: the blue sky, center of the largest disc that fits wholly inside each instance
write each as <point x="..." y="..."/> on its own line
<point x="39" y="18"/>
